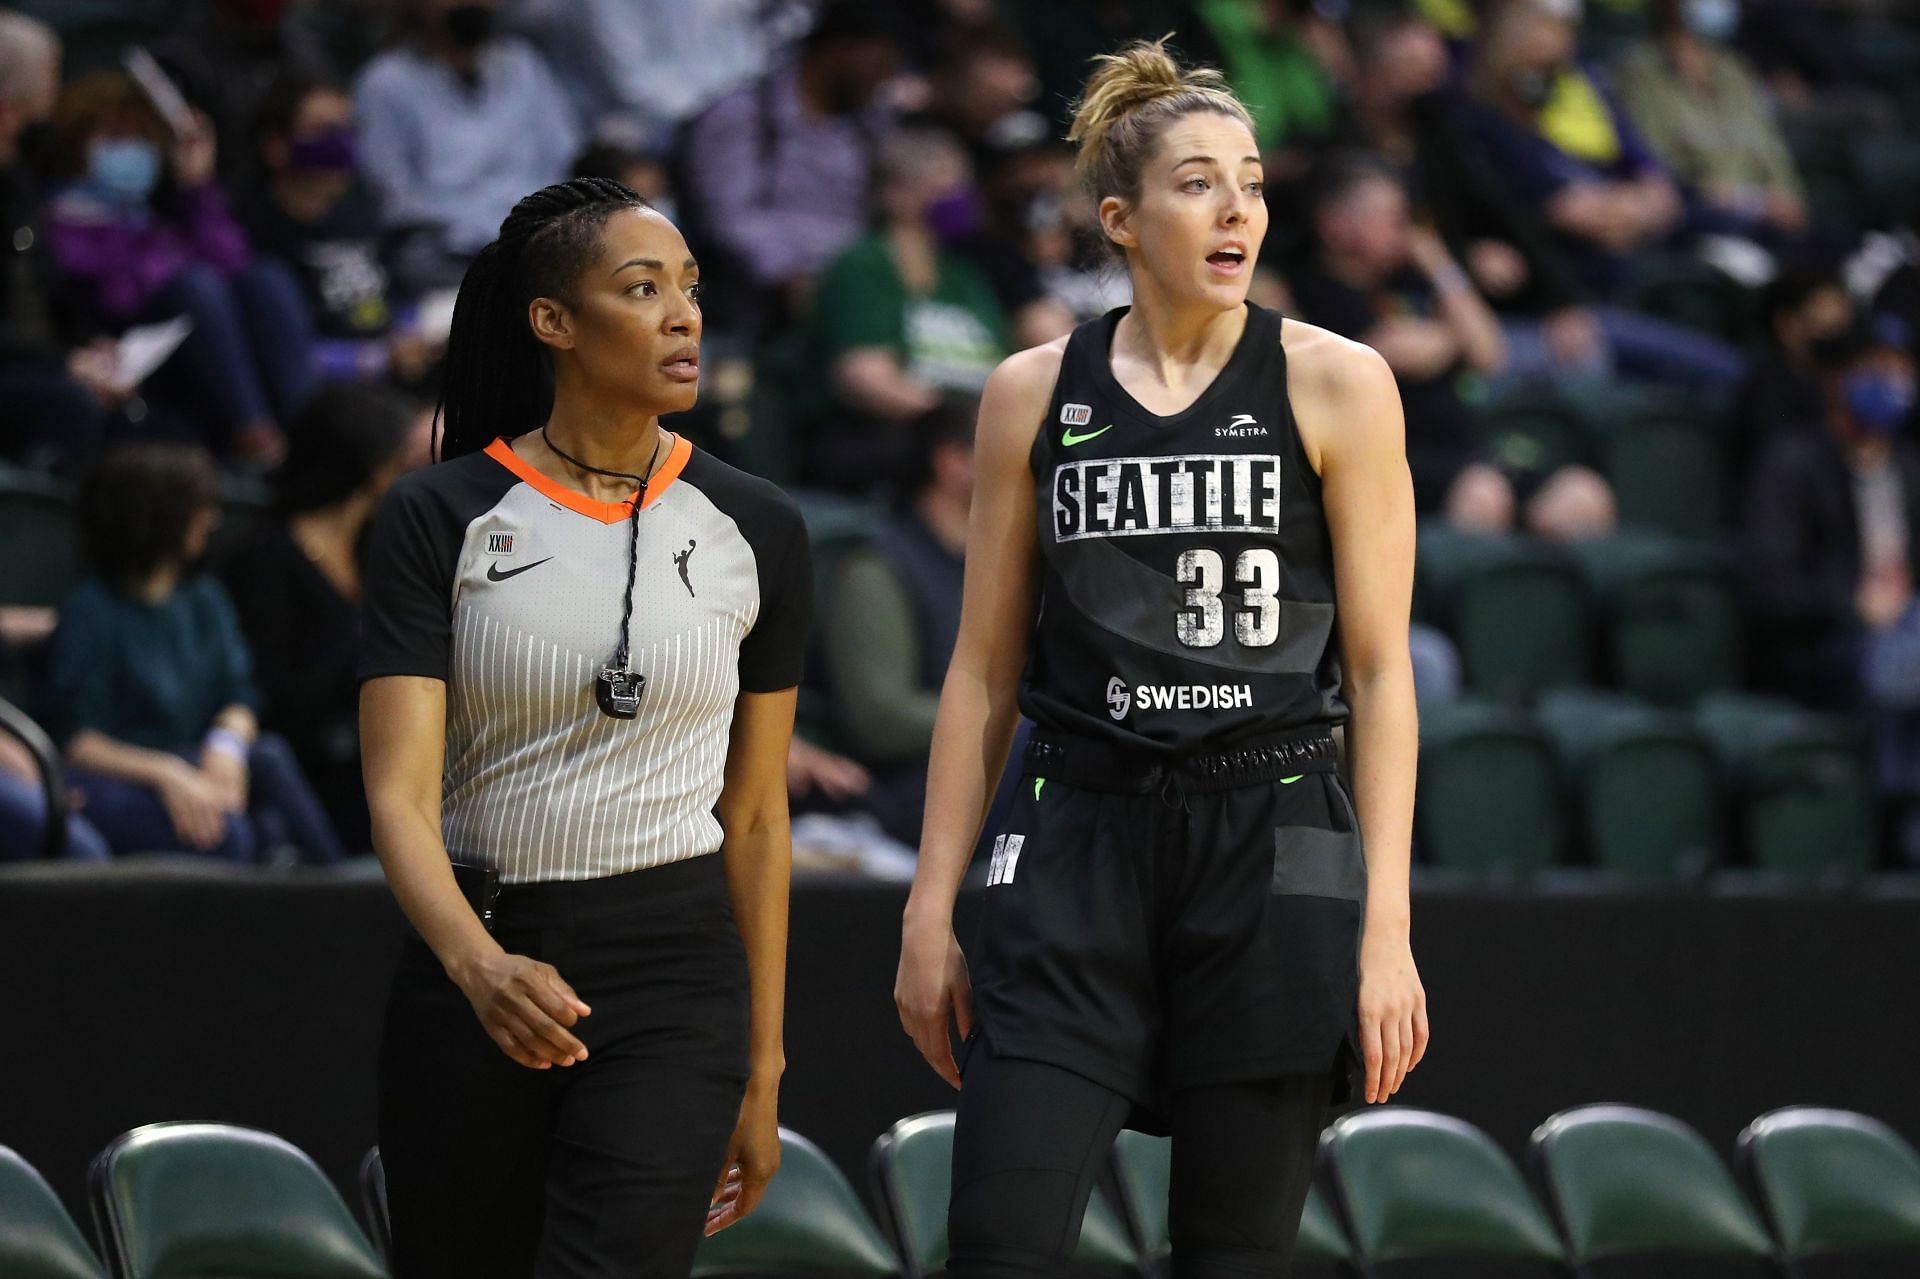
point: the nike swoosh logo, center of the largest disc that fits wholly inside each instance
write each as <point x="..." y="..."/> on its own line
<point x="495" y="575"/>
<point x="1068" y="439"/>
<point x="1288" y="781"/>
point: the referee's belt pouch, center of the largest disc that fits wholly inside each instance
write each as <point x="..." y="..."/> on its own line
<point x="480" y="885"/>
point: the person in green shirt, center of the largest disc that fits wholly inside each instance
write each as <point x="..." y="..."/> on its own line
<point x="1284" y="60"/>
<point x="900" y="319"/>
<point x="1702" y="110"/>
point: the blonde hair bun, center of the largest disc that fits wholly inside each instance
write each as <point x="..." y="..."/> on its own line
<point x="1130" y="97"/>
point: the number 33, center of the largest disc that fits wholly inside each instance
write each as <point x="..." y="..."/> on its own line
<point x="1201" y="621"/>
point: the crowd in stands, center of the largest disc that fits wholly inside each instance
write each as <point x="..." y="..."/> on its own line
<point x="1516" y="202"/>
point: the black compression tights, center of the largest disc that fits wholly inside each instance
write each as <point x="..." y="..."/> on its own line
<point x="1031" y="1139"/>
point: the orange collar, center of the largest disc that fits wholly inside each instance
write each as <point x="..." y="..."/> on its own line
<point x="606" y="512"/>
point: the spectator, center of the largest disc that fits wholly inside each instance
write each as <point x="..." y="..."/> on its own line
<point x="1287" y="61"/>
<point x="775" y="180"/>
<point x="1557" y="143"/>
<point x="1702" y="110"/>
<point x="1803" y="309"/>
<point x="900" y="320"/>
<point x="983" y="86"/>
<point x="296" y="586"/>
<point x="609" y="55"/>
<point x="1407" y="111"/>
<point x="892" y="617"/>
<point x="1379" y="280"/>
<point x="23" y="812"/>
<point x="55" y="391"/>
<point x="313" y="213"/>
<point x="150" y="683"/>
<point x="1582" y="163"/>
<point x="642" y="172"/>
<point x="456" y="124"/>
<point x="1053" y="251"/>
<point x="146" y="253"/>
<point x="1831" y="518"/>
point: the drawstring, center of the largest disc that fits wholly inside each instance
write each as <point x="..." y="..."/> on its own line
<point x="1173" y="790"/>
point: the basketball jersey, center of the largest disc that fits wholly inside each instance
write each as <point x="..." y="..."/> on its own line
<point x="1186" y="592"/>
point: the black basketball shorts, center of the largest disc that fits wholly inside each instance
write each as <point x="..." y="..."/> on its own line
<point x="1159" y="923"/>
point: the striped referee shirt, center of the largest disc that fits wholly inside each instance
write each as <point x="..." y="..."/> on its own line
<point x="486" y="574"/>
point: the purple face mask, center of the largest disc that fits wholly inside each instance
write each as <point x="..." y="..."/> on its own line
<point x="955" y="215"/>
<point x="331" y="151"/>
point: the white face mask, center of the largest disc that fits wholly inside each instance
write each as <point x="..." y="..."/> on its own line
<point x="1715" y="20"/>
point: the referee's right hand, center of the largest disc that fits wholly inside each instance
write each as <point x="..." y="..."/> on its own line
<point x="526" y="1009"/>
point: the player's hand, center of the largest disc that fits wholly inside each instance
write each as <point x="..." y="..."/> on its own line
<point x="526" y="1009"/>
<point x="932" y="985"/>
<point x="753" y="1156"/>
<point x="1393" y="1012"/>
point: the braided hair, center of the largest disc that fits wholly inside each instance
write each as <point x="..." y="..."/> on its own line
<point x="499" y="377"/>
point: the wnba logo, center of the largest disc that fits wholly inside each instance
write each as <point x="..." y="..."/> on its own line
<point x="1119" y="698"/>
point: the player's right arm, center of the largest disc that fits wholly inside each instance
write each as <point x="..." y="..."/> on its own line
<point x="978" y="712"/>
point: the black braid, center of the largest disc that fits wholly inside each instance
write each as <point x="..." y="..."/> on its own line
<point x="499" y="378"/>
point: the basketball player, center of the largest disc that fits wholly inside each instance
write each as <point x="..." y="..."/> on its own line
<point x="1191" y="557"/>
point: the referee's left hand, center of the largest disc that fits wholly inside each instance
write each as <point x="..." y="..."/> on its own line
<point x="753" y="1156"/>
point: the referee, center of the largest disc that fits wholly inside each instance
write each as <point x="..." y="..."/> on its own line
<point x="582" y="641"/>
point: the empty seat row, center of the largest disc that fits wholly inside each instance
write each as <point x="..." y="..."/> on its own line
<point x="1649" y="614"/>
<point x="1662" y="451"/>
<point x="188" y="1200"/>
<point x="1595" y="777"/>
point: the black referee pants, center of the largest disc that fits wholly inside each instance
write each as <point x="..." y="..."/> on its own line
<point x="603" y="1169"/>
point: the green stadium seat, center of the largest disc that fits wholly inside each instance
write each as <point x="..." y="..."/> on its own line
<point x="912" y="1166"/>
<point x="1532" y="431"/>
<point x="42" y="549"/>
<point x="1631" y="1183"/>
<point x="1689" y="292"/>
<point x="835" y="525"/>
<point x="38" y="1240"/>
<point x="1668" y="472"/>
<point x="1669" y="612"/>
<point x="1803" y="794"/>
<point x="1644" y="783"/>
<point x="1143" y="1166"/>
<point x="193" y="1200"/>
<point x="1833" y="1182"/>
<point x="1489" y="798"/>
<point x="1413" y="1184"/>
<point x="1515" y="607"/>
<point x="810" y="1222"/>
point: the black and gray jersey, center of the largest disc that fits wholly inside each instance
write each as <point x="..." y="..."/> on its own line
<point x="1186" y="594"/>
<point x="486" y="574"/>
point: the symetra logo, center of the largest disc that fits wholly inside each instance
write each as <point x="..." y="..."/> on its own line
<point x="1243" y="425"/>
<point x="1175" y="697"/>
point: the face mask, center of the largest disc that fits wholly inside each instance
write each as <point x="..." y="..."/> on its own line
<point x="1879" y="401"/>
<point x="1533" y="87"/>
<point x="124" y="170"/>
<point x="1715" y="20"/>
<point x="469" y="25"/>
<point x="330" y="151"/>
<point x="955" y="215"/>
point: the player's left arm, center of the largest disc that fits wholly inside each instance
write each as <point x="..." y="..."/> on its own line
<point x="1348" y="410"/>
